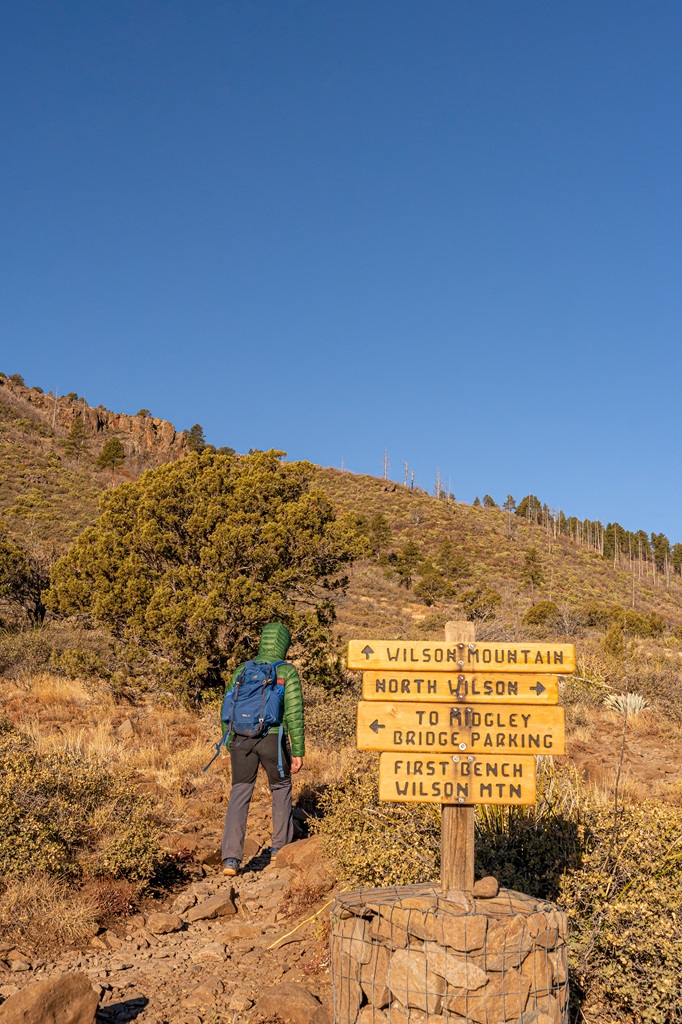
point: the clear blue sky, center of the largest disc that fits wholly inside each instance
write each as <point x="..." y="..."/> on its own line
<point x="450" y="228"/>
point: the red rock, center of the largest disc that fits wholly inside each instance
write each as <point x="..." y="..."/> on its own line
<point x="410" y="981"/>
<point x="503" y="998"/>
<point x="220" y="905"/>
<point x="66" y="999"/>
<point x="205" y="993"/>
<point x="486" y="888"/>
<point x="161" y="923"/>
<point x="293" y="1002"/>
<point x="465" y="932"/>
<point x="308" y="859"/>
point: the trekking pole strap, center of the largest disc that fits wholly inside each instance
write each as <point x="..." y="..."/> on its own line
<point x="280" y="765"/>
<point x="223" y="740"/>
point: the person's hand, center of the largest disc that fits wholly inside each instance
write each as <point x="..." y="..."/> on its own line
<point x="296" y="764"/>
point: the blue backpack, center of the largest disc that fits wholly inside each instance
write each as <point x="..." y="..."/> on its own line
<point x="253" y="705"/>
<point x="256" y="701"/>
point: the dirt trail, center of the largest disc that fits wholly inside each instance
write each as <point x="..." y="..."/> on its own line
<point x="209" y="970"/>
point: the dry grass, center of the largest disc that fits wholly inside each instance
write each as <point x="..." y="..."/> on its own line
<point x="42" y="911"/>
<point x="167" y="751"/>
<point x="325" y="768"/>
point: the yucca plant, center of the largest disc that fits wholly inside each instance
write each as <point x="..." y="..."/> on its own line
<point x="630" y="704"/>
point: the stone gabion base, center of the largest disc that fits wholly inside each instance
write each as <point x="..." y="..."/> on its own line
<point x="410" y="955"/>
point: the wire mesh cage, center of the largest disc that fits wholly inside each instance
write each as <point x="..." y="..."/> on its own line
<point x="408" y="954"/>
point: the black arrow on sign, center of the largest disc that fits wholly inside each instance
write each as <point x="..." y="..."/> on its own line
<point x="376" y="725"/>
<point x="538" y="689"/>
<point x="367" y="651"/>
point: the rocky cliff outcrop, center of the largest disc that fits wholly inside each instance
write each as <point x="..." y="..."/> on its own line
<point x="148" y="441"/>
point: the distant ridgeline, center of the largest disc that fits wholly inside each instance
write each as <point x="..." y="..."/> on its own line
<point x="150" y="441"/>
<point x="638" y="551"/>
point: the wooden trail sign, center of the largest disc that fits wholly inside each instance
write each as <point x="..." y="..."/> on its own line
<point x="457" y="779"/>
<point x="526" y="688"/>
<point x="482" y="710"/>
<point x="482" y="728"/>
<point x="436" y="656"/>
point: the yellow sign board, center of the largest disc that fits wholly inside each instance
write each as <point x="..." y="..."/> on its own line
<point x="476" y="688"/>
<point x="460" y="728"/>
<point x="444" y="656"/>
<point x="457" y="778"/>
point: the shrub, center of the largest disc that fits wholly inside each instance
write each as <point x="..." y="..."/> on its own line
<point x="194" y="558"/>
<point x="625" y="909"/>
<point x="378" y="843"/>
<point x="595" y="614"/>
<point x="23" y="651"/>
<point x="648" y="625"/>
<point x="480" y="603"/>
<point x="544" y="613"/>
<point x="330" y="717"/>
<point x="67" y="815"/>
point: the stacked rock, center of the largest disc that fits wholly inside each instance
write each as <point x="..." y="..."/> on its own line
<point x="410" y="955"/>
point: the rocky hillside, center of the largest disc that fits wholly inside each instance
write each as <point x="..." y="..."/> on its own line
<point x="49" y="486"/>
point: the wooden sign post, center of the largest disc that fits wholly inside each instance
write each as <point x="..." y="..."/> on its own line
<point x="457" y="845"/>
<point x="457" y="723"/>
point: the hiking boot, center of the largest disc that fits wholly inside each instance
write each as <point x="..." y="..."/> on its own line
<point x="231" y="866"/>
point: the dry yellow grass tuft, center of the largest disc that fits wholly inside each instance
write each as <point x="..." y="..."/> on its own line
<point x="42" y="910"/>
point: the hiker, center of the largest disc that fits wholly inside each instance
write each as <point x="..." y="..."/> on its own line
<point x="280" y="749"/>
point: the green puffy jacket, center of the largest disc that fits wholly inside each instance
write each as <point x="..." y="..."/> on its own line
<point x="274" y="644"/>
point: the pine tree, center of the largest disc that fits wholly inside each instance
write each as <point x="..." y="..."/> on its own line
<point x="77" y="440"/>
<point x="195" y="440"/>
<point x="379" y="532"/>
<point x="509" y="507"/>
<point x="112" y="456"/>
<point x="532" y="573"/>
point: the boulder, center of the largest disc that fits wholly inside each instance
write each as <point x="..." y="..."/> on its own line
<point x="212" y="857"/>
<point x="507" y="944"/>
<point x="205" y="993"/>
<point x="220" y="905"/>
<point x="411" y="983"/>
<point x="236" y="928"/>
<point x="464" y="932"/>
<point x="239" y="1001"/>
<point x="535" y="1017"/>
<point x="294" y="1002"/>
<point x="486" y="888"/>
<point x="355" y="938"/>
<point x="161" y="923"/>
<point x="386" y="931"/>
<point x="212" y="952"/>
<point x="374" y="977"/>
<point x="250" y="848"/>
<point x="372" y="1015"/>
<point x="503" y="998"/>
<point x="309" y="861"/>
<point x="346" y="971"/>
<point x="126" y="730"/>
<point x="399" y="1014"/>
<point x="66" y="999"/>
<point x="457" y="971"/>
<point x="538" y="969"/>
<point x="183" y="902"/>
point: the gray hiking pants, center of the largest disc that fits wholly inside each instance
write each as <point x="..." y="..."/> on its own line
<point x="246" y="754"/>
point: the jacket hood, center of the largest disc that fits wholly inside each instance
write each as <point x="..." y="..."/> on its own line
<point x="274" y="642"/>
